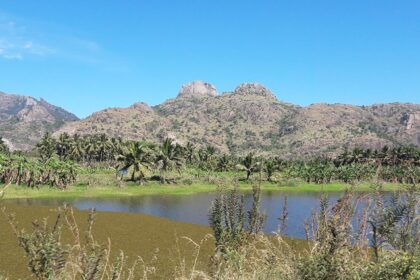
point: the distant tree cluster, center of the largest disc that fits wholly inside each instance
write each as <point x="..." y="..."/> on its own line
<point x="94" y="148"/>
<point x="138" y="159"/>
<point x="397" y="165"/>
<point x="55" y="163"/>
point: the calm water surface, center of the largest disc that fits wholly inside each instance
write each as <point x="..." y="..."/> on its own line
<point x="194" y="208"/>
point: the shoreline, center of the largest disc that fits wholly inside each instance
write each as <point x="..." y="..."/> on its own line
<point x="22" y="192"/>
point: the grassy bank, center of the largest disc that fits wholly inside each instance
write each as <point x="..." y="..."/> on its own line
<point x="153" y="188"/>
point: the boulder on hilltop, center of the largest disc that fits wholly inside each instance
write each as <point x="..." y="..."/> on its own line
<point x="197" y="89"/>
<point x="253" y="88"/>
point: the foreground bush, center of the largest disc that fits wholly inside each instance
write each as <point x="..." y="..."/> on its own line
<point x="383" y="245"/>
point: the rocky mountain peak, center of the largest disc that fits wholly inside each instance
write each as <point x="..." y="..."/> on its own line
<point x="253" y="88"/>
<point x="30" y="101"/>
<point x="141" y="106"/>
<point x="24" y="119"/>
<point x="197" y="89"/>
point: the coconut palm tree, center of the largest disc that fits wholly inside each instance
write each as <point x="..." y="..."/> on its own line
<point x="250" y="164"/>
<point x="63" y="145"/>
<point x="116" y="146"/>
<point x="136" y="161"/>
<point x="103" y="146"/>
<point x="224" y="163"/>
<point x="46" y="146"/>
<point x="206" y="158"/>
<point x="168" y="158"/>
<point x="270" y="166"/>
<point x="91" y="148"/>
<point x="77" y="150"/>
<point x="189" y="152"/>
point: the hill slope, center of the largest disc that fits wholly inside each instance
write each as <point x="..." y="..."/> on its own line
<point x="252" y="119"/>
<point x="23" y="120"/>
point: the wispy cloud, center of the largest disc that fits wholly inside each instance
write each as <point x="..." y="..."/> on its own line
<point x="15" y="43"/>
<point x="21" y="39"/>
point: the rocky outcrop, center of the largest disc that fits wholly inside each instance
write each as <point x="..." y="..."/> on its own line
<point x="413" y="121"/>
<point x="253" y="88"/>
<point x="143" y="107"/>
<point x="412" y="126"/>
<point x="9" y="144"/>
<point x="197" y="89"/>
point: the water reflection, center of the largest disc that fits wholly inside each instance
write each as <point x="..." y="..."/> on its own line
<point x="194" y="208"/>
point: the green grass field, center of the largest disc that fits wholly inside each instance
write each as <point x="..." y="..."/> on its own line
<point x="154" y="188"/>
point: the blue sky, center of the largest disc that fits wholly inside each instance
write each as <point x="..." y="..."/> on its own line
<point x="86" y="55"/>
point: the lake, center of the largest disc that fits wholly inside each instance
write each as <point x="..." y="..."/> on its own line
<point x="194" y="208"/>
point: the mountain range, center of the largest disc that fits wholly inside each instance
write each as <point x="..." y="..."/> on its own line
<point x="250" y="118"/>
<point x="23" y="120"/>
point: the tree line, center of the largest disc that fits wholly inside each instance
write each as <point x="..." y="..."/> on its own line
<point x="137" y="159"/>
<point x="58" y="159"/>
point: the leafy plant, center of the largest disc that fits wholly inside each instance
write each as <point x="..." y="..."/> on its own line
<point x="232" y="226"/>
